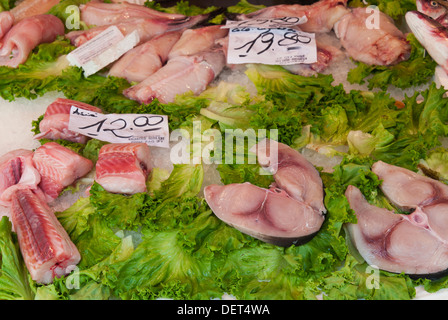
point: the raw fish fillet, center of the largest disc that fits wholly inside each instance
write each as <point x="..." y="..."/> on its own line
<point x="123" y="167"/>
<point x="59" y="167"/>
<point x="415" y="244"/>
<point x="6" y="22"/>
<point x="383" y="44"/>
<point x="142" y="61"/>
<point x="29" y="8"/>
<point x="45" y="245"/>
<point x="54" y="125"/>
<point x="99" y="13"/>
<point x="180" y="75"/>
<point x="24" y="36"/>
<point x="196" y="40"/>
<point x="16" y="171"/>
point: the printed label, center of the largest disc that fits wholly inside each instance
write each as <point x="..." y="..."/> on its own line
<point x="275" y="46"/>
<point x="121" y="128"/>
<point x="103" y="49"/>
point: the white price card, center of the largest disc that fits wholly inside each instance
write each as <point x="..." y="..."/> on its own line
<point x="121" y="128"/>
<point x="275" y="46"/>
<point x="103" y="49"/>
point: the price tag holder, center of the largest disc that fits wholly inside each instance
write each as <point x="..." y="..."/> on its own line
<point x="121" y="128"/>
<point x="103" y="49"/>
<point x="275" y="46"/>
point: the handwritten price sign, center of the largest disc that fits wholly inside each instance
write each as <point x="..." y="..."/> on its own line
<point x="120" y="128"/>
<point x="277" y="46"/>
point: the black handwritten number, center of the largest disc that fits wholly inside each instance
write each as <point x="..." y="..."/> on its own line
<point x="266" y="37"/>
<point x="144" y="121"/>
<point x="292" y="37"/>
<point x="98" y="124"/>
<point x="115" y="129"/>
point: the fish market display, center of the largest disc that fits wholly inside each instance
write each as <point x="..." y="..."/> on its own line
<point x="290" y="212"/>
<point x="24" y="36"/>
<point x="58" y="167"/>
<point x="142" y="61"/>
<point x="55" y="123"/>
<point x="123" y="168"/>
<point x="45" y="245"/>
<point x="180" y="75"/>
<point x="381" y="45"/>
<point x="249" y="160"/>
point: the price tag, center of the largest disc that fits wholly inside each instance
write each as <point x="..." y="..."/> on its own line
<point x="103" y="49"/>
<point x="121" y="128"/>
<point x="284" y="22"/>
<point x="276" y="46"/>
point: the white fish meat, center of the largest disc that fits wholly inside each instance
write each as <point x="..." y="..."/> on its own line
<point x="16" y="171"/>
<point x="290" y="212"/>
<point x="196" y="40"/>
<point x="59" y="167"/>
<point x="123" y="167"/>
<point x="381" y="43"/>
<point x="431" y="34"/>
<point x="321" y="15"/>
<point x="147" y="28"/>
<point x="142" y="61"/>
<point x="415" y="244"/>
<point x="46" y="247"/>
<point x="55" y="123"/>
<point x="180" y="75"/>
<point x="24" y="36"/>
<point x="97" y="13"/>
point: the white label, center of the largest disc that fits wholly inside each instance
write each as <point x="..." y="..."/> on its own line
<point x="103" y="49"/>
<point x="121" y="128"/>
<point x="279" y="46"/>
<point x="284" y="22"/>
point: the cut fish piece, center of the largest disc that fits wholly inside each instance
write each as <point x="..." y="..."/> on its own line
<point x="24" y="36"/>
<point x="28" y="8"/>
<point x="123" y="167"/>
<point x="180" y="75"/>
<point x="54" y="125"/>
<point x="398" y="243"/>
<point x="6" y="22"/>
<point x="59" y="167"/>
<point x="45" y="245"/>
<point x="16" y="171"/>
<point x="290" y="212"/>
<point x="142" y="61"/>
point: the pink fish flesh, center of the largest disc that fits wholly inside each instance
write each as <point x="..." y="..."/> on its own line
<point x="123" y="167"/>
<point x="59" y="167"/>
<point x="147" y="28"/>
<point x="290" y="212"/>
<point x="28" y="8"/>
<point x="415" y="244"/>
<point x="16" y="171"/>
<point x="24" y="36"/>
<point x="100" y="14"/>
<point x="142" y="61"/>
<point x="196" y="40"/>
<point x="381" y="45"/>
<point x="6" y="22"/>
<point x="45" y="245"/>
<point x="321" y="15"/>
<point x="432" y="36"/>
<point x="180" y="75"/>
<point x="54" y="125"/>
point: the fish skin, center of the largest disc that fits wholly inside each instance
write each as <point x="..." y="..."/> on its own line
<point x="58" y="167"/>
<point x="24" y="36"/>
<point x="142" y="61"/>
<point x="46" y="247"/>
<point x="96" y="13"/>
<point x="180" y="75"/>
<point x="321" y="15"/>
<point x="431" y="34"/>
<point x="123" y="167"/>
<point x="385" y="45"/>
<point x="394" y="242"/>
